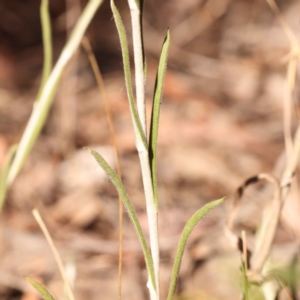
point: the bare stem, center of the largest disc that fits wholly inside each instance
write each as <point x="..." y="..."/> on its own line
<point x="152" y="217"/>
<point x="138" y="61"/>
<point x="143" y="151"/>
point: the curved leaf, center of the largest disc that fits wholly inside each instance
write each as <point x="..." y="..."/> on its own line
<point x="158" y="90"/>
<point x="189" y="226"/>
<point x="42" y="290"/>
<point x="126" y="63"/>
<point x="116" y="181"/>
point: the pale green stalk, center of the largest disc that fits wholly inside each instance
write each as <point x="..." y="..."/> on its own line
<point x="47" y="43"/>
<point x="188" y="228"/>
<point x="142" y="147"/>
<point x="126" y="64"/>
<point x="147" y="153"/>
<point x="136" y="21"/>
<point x="43" y="104"/>
<point x="151" y="206"/>
<point x="152" y="212"/>
<point x="4" y="173"/>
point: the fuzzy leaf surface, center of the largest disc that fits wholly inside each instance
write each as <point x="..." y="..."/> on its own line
<point x="42" y="290"/>
<point x="126" y="64"/>
<point x="157" y="99"/>
<point x="188" y="228"/>
<point x="116" y="181"/>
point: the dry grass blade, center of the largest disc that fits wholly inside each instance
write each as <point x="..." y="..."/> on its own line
<point x="46" y="233"/>
<point x="87" y="47"/>
<point x="291" y="36"/>
<point x="245" y="247"/>
<point x="291" y="75"/>
<point x="266" y="235"/>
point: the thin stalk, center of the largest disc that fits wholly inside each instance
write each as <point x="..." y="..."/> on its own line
<point x="57" y="257"/>
<point x="96" y="69"/>
<point x="140" y="138"/>
<point x="152" y="218"/>
<point x="152" y="212"/>
<point x="139" y="122"/>
<point x="47" y="66"/>
<point x="47" y="43"/>
<point x="287" y="29"/>
<point x="138" y="61"/>
<point x="4" y="173"/>
<point x="42" y="106"/>
<point x="287" y="105"/>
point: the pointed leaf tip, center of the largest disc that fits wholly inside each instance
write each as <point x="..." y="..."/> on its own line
<point x="188" y="228"/>
<point x="42" y="290"/>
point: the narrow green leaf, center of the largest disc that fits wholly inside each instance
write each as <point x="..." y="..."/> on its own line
<point x="47" y="46"/>
<point x="142" y="37"/>
<point x="158" y="90"/>
<point x="43" y="291"/>
<point x="4" y="173"/>
<point x="47" y="43"/>
<point x="126" y="64"/>
<point x="188" y="228"/>
<point x="245" y="283"/>
<point x="112" y="175"/>
<point x="42" y="106"/>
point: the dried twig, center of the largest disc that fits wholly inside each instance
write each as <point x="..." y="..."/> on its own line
<point x="47" y="235"/>
<point x="87" y="46"/>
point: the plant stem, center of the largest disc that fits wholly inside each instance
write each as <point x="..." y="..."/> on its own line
<point x="152" y="216"/>
<point x="142" y="150"/>
<point x="138" y="61"/>
<point x="43" y="103"/>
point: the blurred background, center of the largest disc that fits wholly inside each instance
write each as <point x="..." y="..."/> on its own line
<point x="221" y="122"/>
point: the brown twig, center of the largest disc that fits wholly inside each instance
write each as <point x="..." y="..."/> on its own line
<point x="47" y="235"/>
<point x="87" y="46"/>
<point x="264" y="241"/>
<point x="245" y="250"/>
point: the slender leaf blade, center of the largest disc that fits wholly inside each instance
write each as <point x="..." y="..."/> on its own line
<point x="42" y="106"/>
<point x="42" y="290"/>
<point x="142" y="37"/>
<point x="245" y="282"/>
<point x="188" y="228"/>
<point x="47" y="43"/>
<point x="126" y="64"/>
<point x="4" y="173"/>
<point x="116" y="181"/>
<point x="157" y="98"/>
